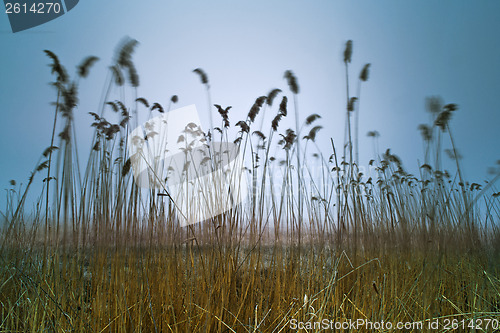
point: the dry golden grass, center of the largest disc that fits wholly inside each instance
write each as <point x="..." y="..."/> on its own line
<point x="182" y="288"/>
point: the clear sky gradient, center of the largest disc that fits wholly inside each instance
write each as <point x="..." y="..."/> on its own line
<point x="417" y="49"/>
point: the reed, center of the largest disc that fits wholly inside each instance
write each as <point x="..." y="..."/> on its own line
<point x="314" y="241"/>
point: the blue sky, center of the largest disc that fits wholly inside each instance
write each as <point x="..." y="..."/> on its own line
<point x="416" y="48"/>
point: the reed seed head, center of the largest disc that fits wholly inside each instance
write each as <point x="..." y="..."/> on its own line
<point x="451" y="107"/>
<point x="157" y="106"/>
<point x="350" y="105"/>
<point x="243" y="125"/>
<point x="292" y="81"/>
<point x="365" y="72"/>
<point x="275" y="122"/>
<point x="203" y="76"/>
<point x="288" y="139"/>
<point x="312" y="118"/>
<point x="125" y="50"/>
<point x="133" y="76"/>
<point x="224" y="114"/>
<point x="254" y="111"/>
<point x="143" y="101"/>
<point x="348" y="52"/>
<point x="56" y="67"/>
<point x="124" y="59"/>
<point x="117" y="75"/>
<point x="442" y="119"/>
<point x="434" y="104"/>
<point x="49" y="151"/>
<point x="271" y="96"/>
<point x="84" y="67"/>
<point x="283" y="110"/>
<point x="426" y="132"/>
<point x="126" y="167"/>
<point x="260" y="135"/>
<point x="312" y="133"/>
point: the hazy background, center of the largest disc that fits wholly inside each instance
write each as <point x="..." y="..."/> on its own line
<point x="416" y="48"/>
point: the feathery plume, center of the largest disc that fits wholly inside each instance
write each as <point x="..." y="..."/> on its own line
<point x="312" y="133"/>
<point x="122" y="107"/>
<point x="143" y="101"/>
<point x="243" y="125"/>
<point x="442" y="119"/>
<point x="288" y="139"/>
<point x="260" y="135"/>
<point x="350" y="105"/>
<point x="124" y="59"/>
<point x="271" y="96"/>
<point x="256" y="108"/>
<point x="117" y="75"/>
<point x="126" y="167"/>
<point x="43" y="165"/>
<point x="292" y="82"/>
<point x="433" y="104"/>
<point x="84" y="67"/>
<point x="312" y="118"/>
<point x="56" y="67"/>
<point x="275" y="122"/>
<point x="124" y="52"/>
<point x="49" y="151"/>
<point x="202" y="74"/>
<point x="426" y="132"/>
<point x="157" y="106"/>
<point x="451" y="107"/>
<point x="133" y="76"/>
<point x="363" y="76"/>
<point x="224" y="114"/>
<point x="348" y="51"/>
<point x="283" y="103"/>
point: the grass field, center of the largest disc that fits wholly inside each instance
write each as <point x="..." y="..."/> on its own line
<point x="310" y="244"/>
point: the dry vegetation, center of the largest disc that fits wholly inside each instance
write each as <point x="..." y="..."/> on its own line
<point x="98" y="254"/>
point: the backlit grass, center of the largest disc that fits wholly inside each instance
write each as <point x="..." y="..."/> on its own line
<point x="311" y="242"/>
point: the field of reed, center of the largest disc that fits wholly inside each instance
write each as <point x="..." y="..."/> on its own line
<point x="314" y="240"/>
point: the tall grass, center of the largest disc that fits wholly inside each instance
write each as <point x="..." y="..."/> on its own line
<point x="313" y="241"/>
